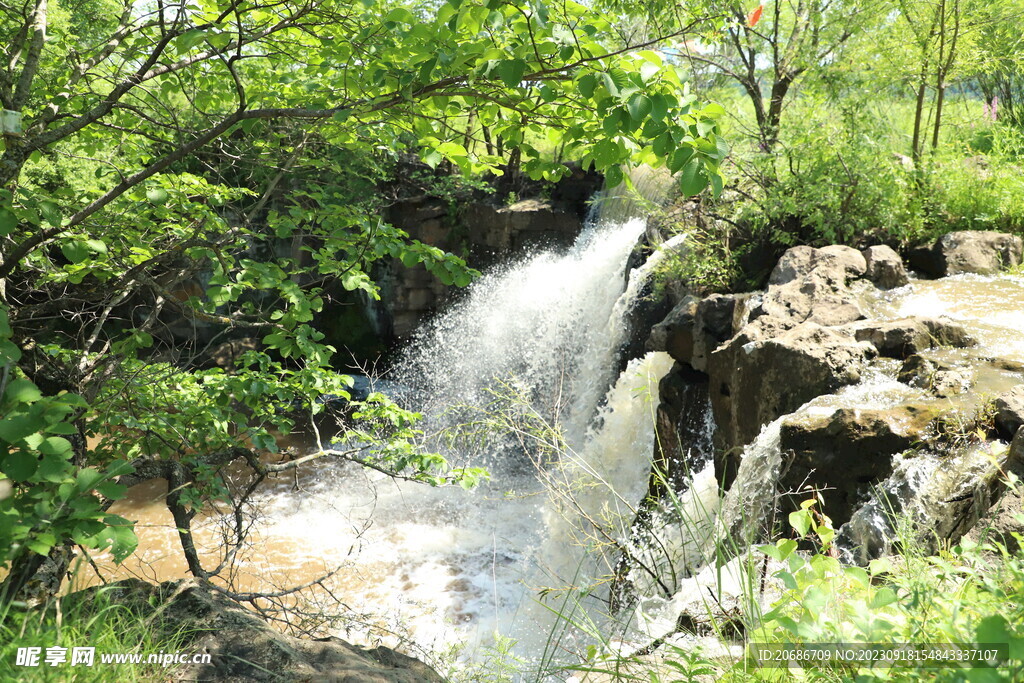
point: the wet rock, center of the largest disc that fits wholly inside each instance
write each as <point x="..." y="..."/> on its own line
<point x="884" y="267"/>
<point x="964" y="488"/>
<point x="675" y="334"/>
<point x="754" y="381"/>
<point x="939" y="379"/>
<point x="695" y="328"/>
<point x="1010" y="412"/>
<point x="846" y="451"/>
<point x="945" y="498"/>
<point x="243" y="647"/>
<point x="969" y="251"/>
<point x="901" y="338"/>
<point x="1001" y="523"/>
<point x="683" y="440"/>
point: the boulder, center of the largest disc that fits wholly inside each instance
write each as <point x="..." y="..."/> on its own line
<point x="938" y="378"/>
<point x="884" y="267"/>
<point x="693" y="329"/>
<point x="242" y="647"/>
<point x="835" y="262"/>
<point x="754" y="381"/>
<point x="906" y="336"/>
<point x="813" y="285"/>
<point x="944" y="496"/>
<point x="1010" y="412"/>
<point x="675" y="334"/>
<point x="846" y="451"/>
<point x="969" y="251"/>
<point x="1002" y="524"/>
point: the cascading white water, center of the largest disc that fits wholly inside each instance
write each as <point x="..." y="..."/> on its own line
<point x="536" y="341"/>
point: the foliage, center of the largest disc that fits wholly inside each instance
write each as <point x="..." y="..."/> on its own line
<point x="71" y="623"/>
<point x="46" y="496"/>
<point x="194" y="172"/>
<point x="970" y="594"/>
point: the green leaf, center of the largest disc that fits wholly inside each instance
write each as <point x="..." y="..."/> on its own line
<point x="22" y="391"/>
<point x="56" y="446"/>
<point x="75" y="251"/>
<point x="157" y="195"/>
<point x="639" y="107"/>
<point x="120" y="537"/>
<point x="400" y="15"/>
<point x="587" y="85"/>
<point x="692" y="180"/>
<point x="511" y="71"/>
<point x="883" y="597"/>
<point x="19" y="466"/>
<point x="613" y="176"/>
<point x="16" y="428"/>
<point x="8" y="222"/>
<point x="680" y="158"/>
<point x="717" y="184"/>
<point x="97" y="246"/>
<point x="189" y="39"/>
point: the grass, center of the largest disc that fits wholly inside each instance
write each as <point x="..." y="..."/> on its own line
<point x="69" y="623"/>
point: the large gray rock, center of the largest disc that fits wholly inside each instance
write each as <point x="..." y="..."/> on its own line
<point x="675" y="334"/>
<point x="846" y="452"/>
<point x="1010" y="412"/>
<point x="243" y="647"/>
<point x="944" y="503"/>
<point x="884" y="267"/>
<point x="812" y="285"/>
<point x="754" y="381"/>
<point x="906" y="336"/>
<point x="969" y="251"/>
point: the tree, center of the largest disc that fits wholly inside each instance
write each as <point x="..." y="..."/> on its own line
<point x="157" y="174"/>
<point x="765" y="48"/>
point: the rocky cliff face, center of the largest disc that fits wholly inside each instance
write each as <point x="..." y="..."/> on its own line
<point x="818" y="328"/>
<point x="486" y="231"/>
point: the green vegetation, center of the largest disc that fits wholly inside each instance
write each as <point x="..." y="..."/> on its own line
<point x="173" y="176"/>
<point x="886" y="127"/>
<point x="62" y="625"/>
<point x="970" y="593"/>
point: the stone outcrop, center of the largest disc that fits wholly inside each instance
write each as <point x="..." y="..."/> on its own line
<point x="945" y="499"/>
<point x="683" y="443"/>
<point x="696" y="327"/>
<point x="969" y="251"/>
<point x="754" y="381"/>
<point x="1010" y="412"/>
<point x="884" y="267"/>
<point x="846" y="451"/>
<point x="942" y="380"/>
<point x="483" y="230"/>
<point x="766" y="354"/>
<point x="812" y="285"/>
<point x="901" y="338"/>
<point x="242" y="647"/>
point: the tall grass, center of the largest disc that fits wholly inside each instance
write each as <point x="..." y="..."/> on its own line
<point x="70" y="622"/>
